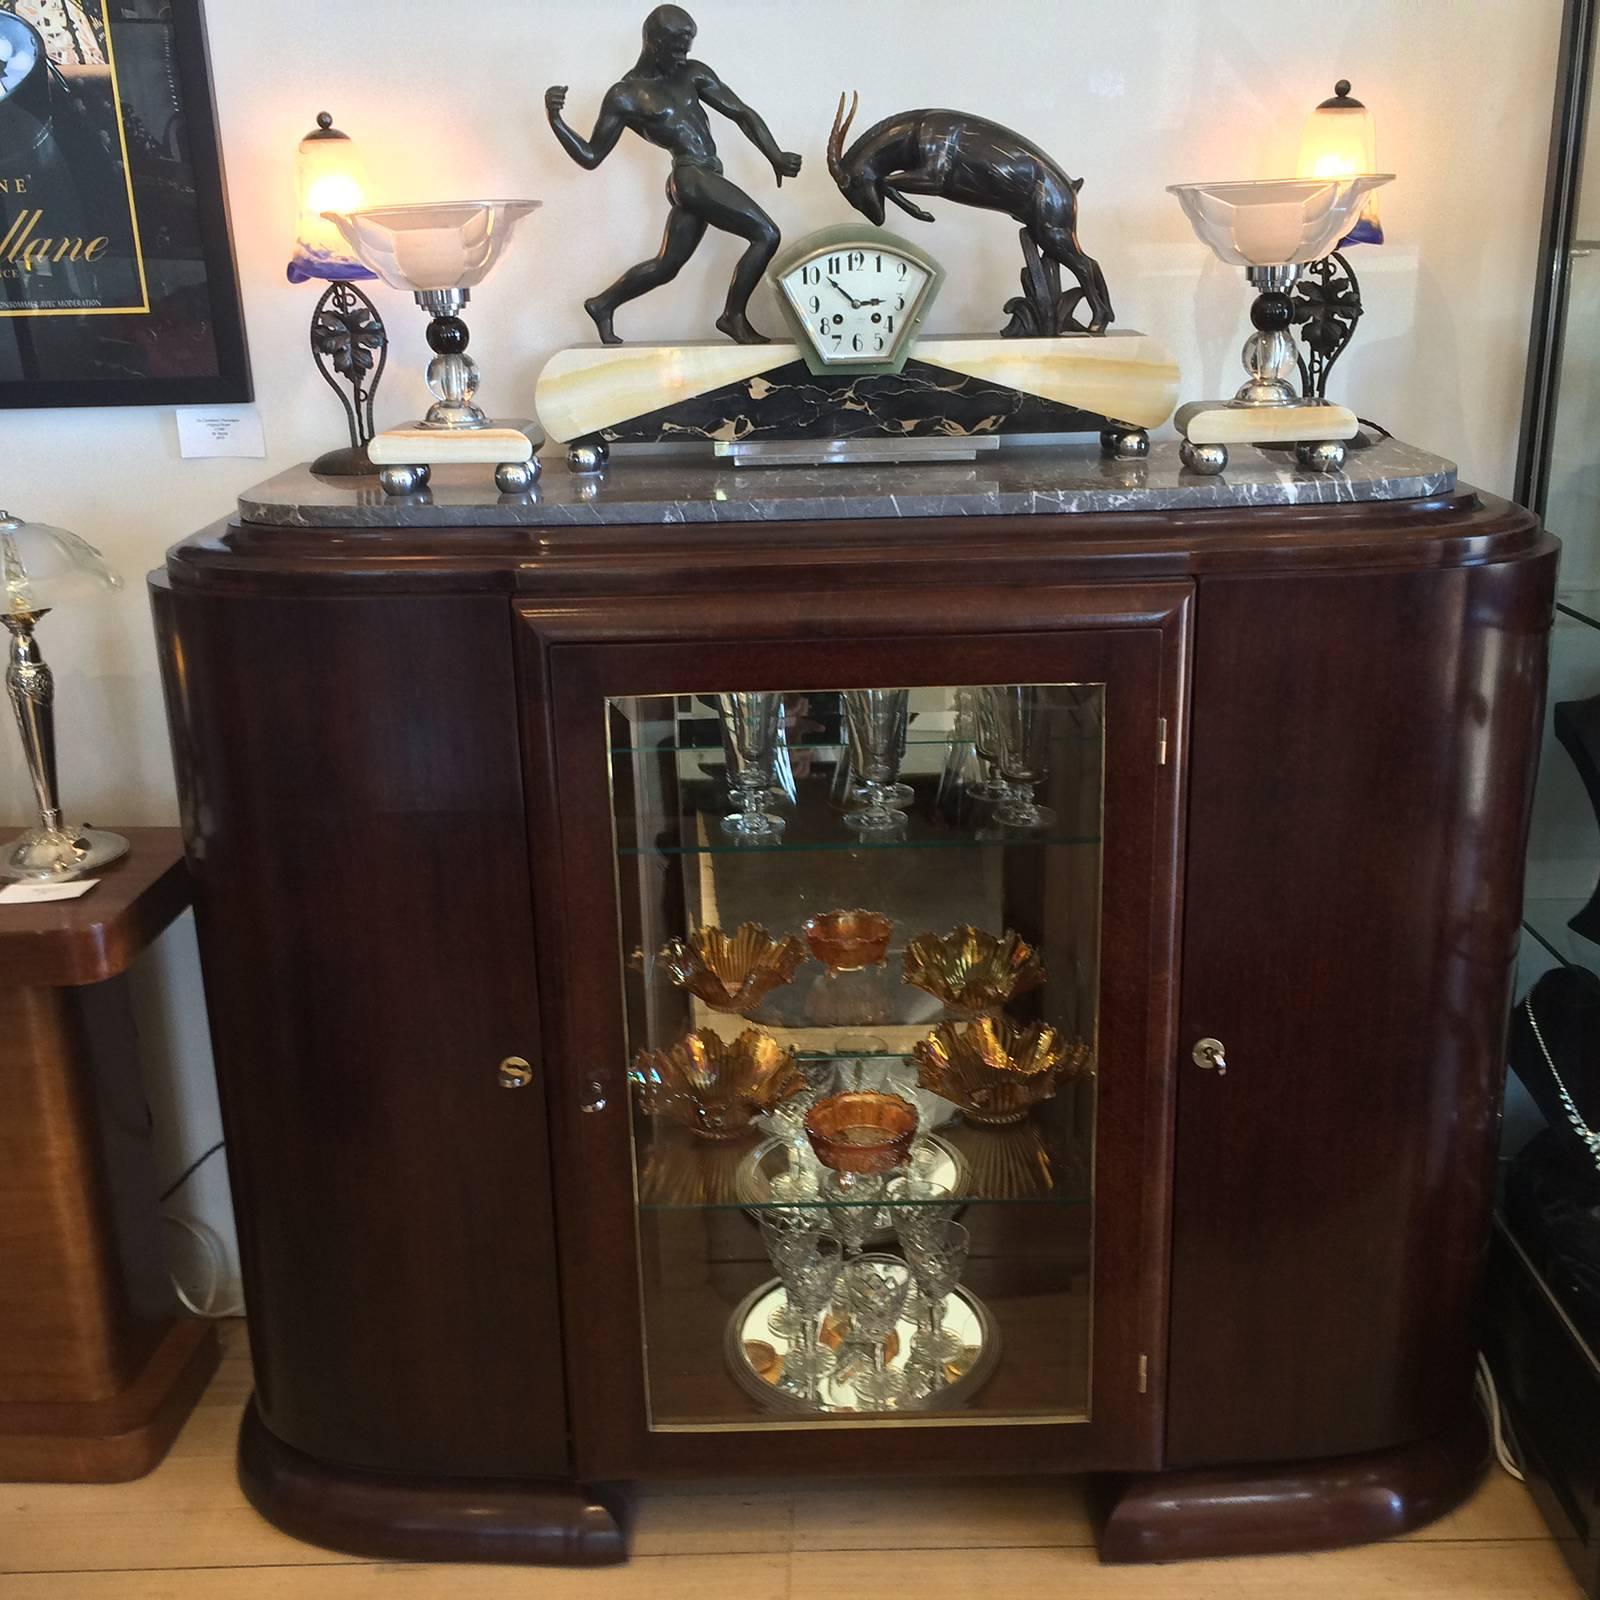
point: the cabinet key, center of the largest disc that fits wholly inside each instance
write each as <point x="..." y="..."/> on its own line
<point x="594" y="1097"/>
<point x="1211" y="1053"/>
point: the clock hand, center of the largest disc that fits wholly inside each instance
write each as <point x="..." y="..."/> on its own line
<point x="855" y="305"/>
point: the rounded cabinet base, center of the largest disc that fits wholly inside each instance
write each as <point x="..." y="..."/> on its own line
<point x="1294" y="1507"/>
<point x="420" y="1519"/>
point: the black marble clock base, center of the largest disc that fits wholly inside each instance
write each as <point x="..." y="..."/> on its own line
<point x="1115" y="388"/>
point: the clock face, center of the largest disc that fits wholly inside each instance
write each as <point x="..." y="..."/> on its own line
<point x="858" y="302"/>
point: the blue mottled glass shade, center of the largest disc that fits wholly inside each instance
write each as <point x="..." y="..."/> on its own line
<point x="308" y="262"/>
<point x="1341" y="141"/>
<point x="328" y="176"/>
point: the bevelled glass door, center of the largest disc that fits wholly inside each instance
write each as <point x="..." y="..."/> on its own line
<point x="862" y="943"/>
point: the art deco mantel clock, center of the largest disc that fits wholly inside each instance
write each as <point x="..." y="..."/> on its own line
<point x="855" y="298"/>
<point x="859" y="380"/>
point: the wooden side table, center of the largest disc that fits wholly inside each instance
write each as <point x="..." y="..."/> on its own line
<point x="97" y="1374"/>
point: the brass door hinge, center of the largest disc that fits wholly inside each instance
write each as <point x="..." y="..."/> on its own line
<point x="1144" y="1374"/>
<point x="1161" y="741"/>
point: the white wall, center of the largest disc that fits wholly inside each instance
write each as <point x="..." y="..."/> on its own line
<point x="1132" y="94"/>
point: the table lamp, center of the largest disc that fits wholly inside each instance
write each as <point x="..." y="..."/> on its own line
<point x="41" y="568"/>
<point x="440" y="253"/>
<point x="1271" y="228"/>
<point x="348" y="340"/>
<point x="1340" y="141"/>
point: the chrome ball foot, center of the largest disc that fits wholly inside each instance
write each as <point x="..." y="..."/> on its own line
<point x="1206" y="459"/>
<point x="516" y="477"/>
<point x="1126" y="444"/>
<point x="404" y="480"/>
<point x="588" y="455"/>
<point x="1322" y="455"/>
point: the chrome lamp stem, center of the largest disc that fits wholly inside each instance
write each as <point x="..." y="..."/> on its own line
<point x="52" y="851"/>
<point x="32" y="687"/>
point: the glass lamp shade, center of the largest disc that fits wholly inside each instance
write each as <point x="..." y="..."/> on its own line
<point x="43" y="567"/>
<point x="1276" y="222"/>
<point x="1341" y="141"/>
<point x="427" y="248"/>
<point x="329" y="176"/>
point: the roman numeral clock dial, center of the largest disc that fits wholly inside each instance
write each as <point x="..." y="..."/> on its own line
<point x="855" y="298"/>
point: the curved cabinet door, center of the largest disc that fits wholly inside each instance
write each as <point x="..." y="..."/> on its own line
<point x="351" y="783"/>
<point x="1357" y="815"/>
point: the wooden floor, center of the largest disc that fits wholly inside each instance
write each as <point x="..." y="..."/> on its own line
<point x="185" y="1533"/>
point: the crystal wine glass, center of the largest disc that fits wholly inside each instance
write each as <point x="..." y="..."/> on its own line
<point x="986" y="742"/>
<point x="875" y="1289"/>
<point x="853" y="1215"/>
<point x="791" y="1238"/>
<point x="877" y="721"/>
<point x="938" y="1256"/>
<point x="1024" y="728"/>
<point x="749" y="738"/>
<point x="812" y="1281"/>
<point x="917" y="1206"/>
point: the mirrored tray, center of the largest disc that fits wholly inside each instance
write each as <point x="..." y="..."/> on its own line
<point x="755" y="1357"/>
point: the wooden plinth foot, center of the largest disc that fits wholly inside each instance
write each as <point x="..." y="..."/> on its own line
<point x="115" y="1440"/>
<point x="419" y="1519"/>
<point x="1298" y="1506"/>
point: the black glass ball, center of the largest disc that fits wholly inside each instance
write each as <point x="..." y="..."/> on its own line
<point x="448" y="336"/>
<point x="1272" y="312"/>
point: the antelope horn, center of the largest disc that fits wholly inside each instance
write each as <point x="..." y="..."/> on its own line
<point x="841" y="127"/>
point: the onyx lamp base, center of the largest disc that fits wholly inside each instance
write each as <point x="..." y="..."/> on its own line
<point x="396" y="1518"/>
<point x="1295" y="1507"/>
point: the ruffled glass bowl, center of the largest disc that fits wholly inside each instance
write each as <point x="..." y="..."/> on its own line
<point x="995" y="1071"/>
<point x="717" y="1087"/>
<point x="972" y="971"/>
<point x="732" y="973"/>
<point x="1275" y="222"/>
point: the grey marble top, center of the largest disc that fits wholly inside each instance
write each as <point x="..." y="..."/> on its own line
<point x="1022" y="480"/>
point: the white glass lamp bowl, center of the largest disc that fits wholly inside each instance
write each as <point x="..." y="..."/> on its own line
<point x="429" y="248"/>
<point x="1275" y="222"/>
<point x="42" y="568"/>
<point x="441" y="253"/>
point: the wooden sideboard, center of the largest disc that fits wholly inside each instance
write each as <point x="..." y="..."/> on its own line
<point x="409" y="832"/>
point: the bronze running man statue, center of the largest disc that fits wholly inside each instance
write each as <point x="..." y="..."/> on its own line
<point x="663" y="99"/>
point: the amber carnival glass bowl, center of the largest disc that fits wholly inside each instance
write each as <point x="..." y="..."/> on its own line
<point x="972" y="971"/>
<point x="848" y="941"/>
<point x="732" y="973"/>
<point x="717" y="1087"/>
<point x="862" y="1132"/>
<point x="995" y="1071"/>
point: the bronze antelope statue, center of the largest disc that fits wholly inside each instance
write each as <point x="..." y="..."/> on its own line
<point x="975" y="162"/>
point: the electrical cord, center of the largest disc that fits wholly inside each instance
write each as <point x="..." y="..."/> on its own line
<point x="217" y="1261"/>
<point x="190" y="1170"/>
<point x="1489" y="1399"/>
<point x="215" y="1252"/>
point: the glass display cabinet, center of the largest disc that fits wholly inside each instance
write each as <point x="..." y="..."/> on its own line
<point x="1016" y="987"/>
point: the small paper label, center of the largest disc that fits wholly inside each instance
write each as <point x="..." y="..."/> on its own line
<point x="220" y="431"/>
<point x="34" y="893"/>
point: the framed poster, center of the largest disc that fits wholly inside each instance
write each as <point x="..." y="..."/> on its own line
<point x="117" y="278"/>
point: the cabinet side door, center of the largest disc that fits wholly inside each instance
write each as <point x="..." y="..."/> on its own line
<point x="350" y="776"/>
<point x="1362" y="760"/>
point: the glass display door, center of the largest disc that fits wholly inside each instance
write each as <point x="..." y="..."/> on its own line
<point x="870" y="1106"/>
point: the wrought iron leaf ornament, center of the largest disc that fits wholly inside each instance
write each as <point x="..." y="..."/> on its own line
<point x="349" y="342"/>
<point x="1327" y="306"/>
<point x="350" y="337"/>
